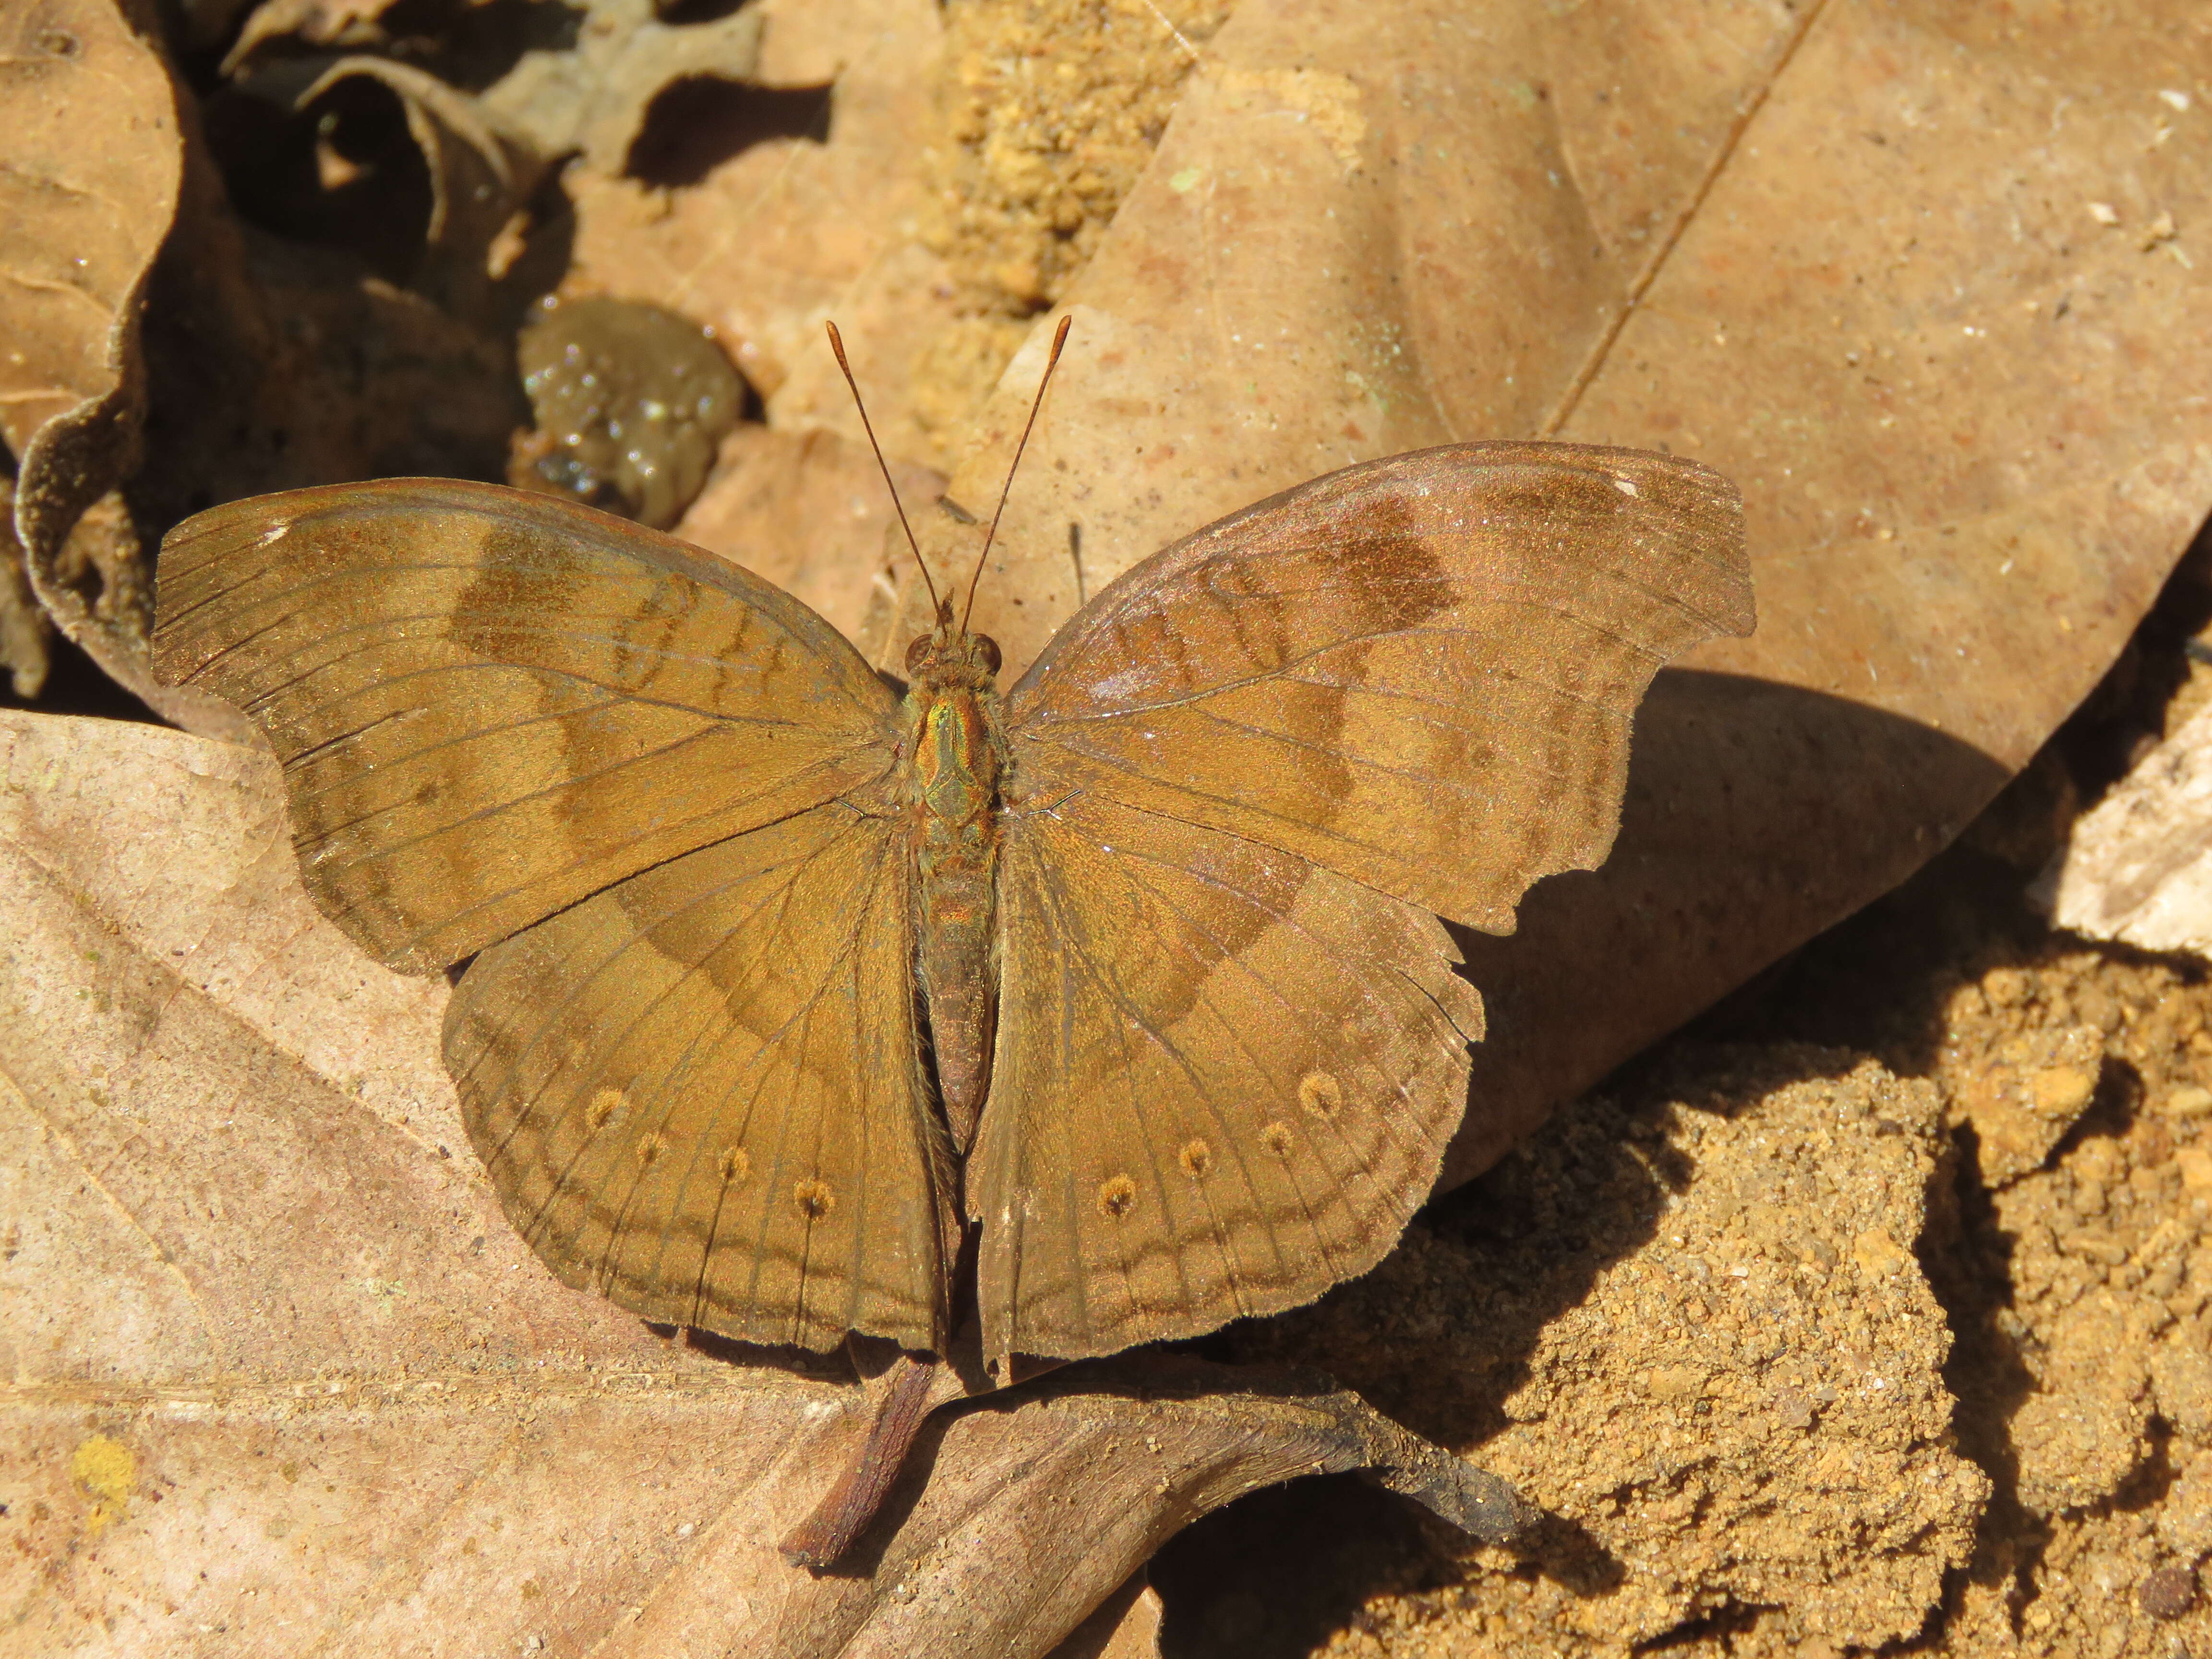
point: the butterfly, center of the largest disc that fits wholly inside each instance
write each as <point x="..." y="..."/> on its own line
<point x="785" y="977"/>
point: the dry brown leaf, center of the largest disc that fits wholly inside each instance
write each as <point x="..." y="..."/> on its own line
<point x="1839" y="251"/>
<point x="89" y="166"/>
<point x="587" y="92"/>
<point x="592" y="98"/>
<point x="280" y="1374"/>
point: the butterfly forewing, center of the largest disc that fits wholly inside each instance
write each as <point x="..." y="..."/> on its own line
<point x="491" y="704"/>
<point x="1419" y="672"/>
<point x="1241" y="776"/>
<point x="699" y="1093"/>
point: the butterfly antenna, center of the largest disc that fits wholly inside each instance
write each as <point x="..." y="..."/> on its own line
<point x="837" y="345"/>
<point x="1058" y="339"/>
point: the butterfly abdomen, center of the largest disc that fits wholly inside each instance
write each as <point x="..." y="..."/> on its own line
<point x="954" y="758"/>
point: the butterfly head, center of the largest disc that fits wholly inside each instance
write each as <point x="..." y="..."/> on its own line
<point x="950" y="655"/>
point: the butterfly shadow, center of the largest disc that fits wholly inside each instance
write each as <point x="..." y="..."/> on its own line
<point x="1757" y="816"/>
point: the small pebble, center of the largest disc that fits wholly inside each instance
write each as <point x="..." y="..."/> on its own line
<point x="2168" y="1593"/>
<point x="2187" y="1102"/>
<point x="2196" y="1165"/>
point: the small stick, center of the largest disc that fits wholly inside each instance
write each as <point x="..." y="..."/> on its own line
<point x="819" y="1541"/>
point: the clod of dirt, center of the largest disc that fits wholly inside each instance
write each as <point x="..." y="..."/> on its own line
<point x="631" y="402"/>
<point x="1695" y="1335"/>
<point x="2101" y="1328"/>
<point x="2021" y="1087"/>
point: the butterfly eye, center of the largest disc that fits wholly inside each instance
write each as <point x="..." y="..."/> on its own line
<point x="916" y="652"/>
<point x="986" y="651"/>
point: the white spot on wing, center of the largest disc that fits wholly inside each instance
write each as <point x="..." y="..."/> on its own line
<point x="1626" y="487"/>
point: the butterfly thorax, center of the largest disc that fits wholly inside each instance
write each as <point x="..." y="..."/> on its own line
<point x="953" y="758"/>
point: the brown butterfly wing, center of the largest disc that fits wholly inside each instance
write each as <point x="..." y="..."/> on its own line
<point x="1224" y="1079"/>
<point x="490" y="704"/>
<point x="695" y="1087"/>
<point x="1242" y="774"/>
<point x="699" y="1093"/>
<point x="1419" y="672"/>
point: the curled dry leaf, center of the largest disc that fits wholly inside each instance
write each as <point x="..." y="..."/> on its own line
<point x="313" y="23"/>
<point x="325" y="23"/>
<point x="1837" y="252"/>
<point x="480" y="168"/>
<point x="22" y="623"/>
<point x="90" y="166"/>
<point x="279" y="1372"/>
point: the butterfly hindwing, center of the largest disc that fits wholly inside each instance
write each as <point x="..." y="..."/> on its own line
<point x="1225" y="1078"/>
<point x="698" y="1092"/>
<point x="1243" y="775"/>
<point x="490" y="704"/>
